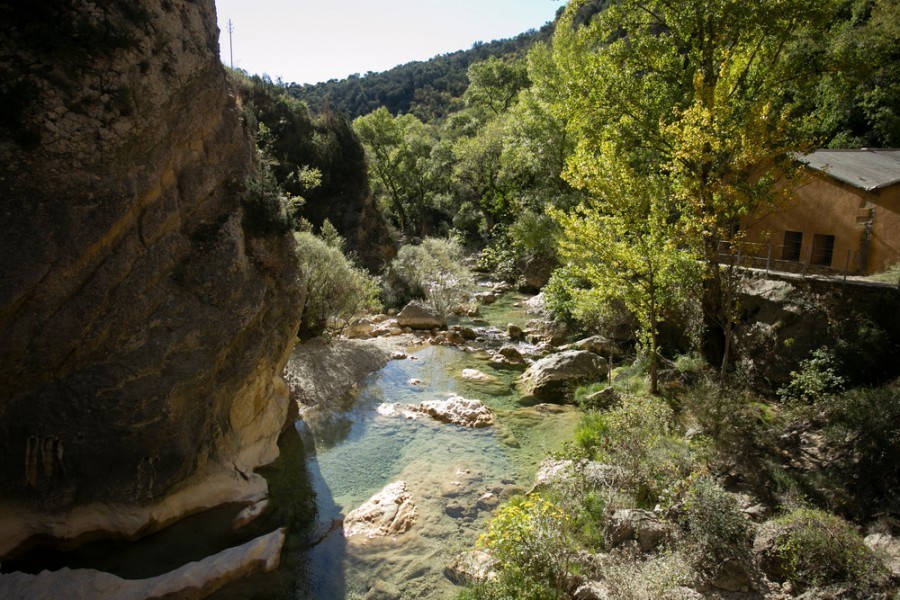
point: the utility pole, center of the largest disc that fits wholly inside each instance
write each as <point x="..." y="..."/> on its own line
<point x="230" y="29"/>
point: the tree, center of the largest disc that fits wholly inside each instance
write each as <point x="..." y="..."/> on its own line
<point x="434" y="271"/>
<point x="856" y="101"/>
<point x="693" y="92"/>
<point x="399" y="153"/>
<point x="336" y="290"/>
<point x="624" y="241"/>
<point x="476" y="171"/>
<point x="494" y="84"/>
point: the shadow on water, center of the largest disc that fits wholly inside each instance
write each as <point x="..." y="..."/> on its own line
<point x="340" y="454"/>
<point x="300" y="502"/>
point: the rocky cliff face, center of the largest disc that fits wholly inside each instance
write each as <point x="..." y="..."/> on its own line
<point x="143" y="325"/>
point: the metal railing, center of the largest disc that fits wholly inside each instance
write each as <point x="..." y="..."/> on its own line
<point x="802" y="259"/>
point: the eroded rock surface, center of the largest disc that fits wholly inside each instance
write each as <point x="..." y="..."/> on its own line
<point x="641" y="526"/>
<point x="553" y="472"/>
<point x="388" y="513"/>
<point x="474" y="566"/>
<point x="194" y="580"/>
<point x="458" y="411"/>
<point x="144" y="318"/>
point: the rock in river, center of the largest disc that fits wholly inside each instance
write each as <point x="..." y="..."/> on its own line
<point x="548" y="378"/>
<point x="418" y="316"/>
<point x="389" y="512"/>
<point x="478" y="377"/>
<point x="458" y="411"/>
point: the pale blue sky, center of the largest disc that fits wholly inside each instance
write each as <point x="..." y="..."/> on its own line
<point x="309" y="41"/>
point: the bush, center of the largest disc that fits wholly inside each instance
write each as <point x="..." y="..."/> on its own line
<point x="629" y="577"/>
<point x="863" y="429"/>
<point x="569" y="299"/>
<point x="733" y="418"/>
<point x="717" y="531"/>
<point x="265" y="204"/>
<point x="499" y="259"/>
<point x="812" y="548"/>
<point x="433" y="271"/>
<point x="816" y="378"/>
<point x="534" y="235"/>
<point x="582" y="393"/>
<point x="637" y="437"/>
<point x="530" y="538"/>
<point x="335" y="289"/>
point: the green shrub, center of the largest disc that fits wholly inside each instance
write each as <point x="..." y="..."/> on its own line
<point x="570" y="299"/>
<point x="560" y="292"/>
<point x="691" y="363"/>
<point x="732" y="417"/>
<point x="813" y="548"/>
<point x="717" y="531"/>
<point x="630" y="577"/>
<point x="265" y="204"/>
<point x="816" y="378"/>
<point x="863" y="430"/>
<point x="637" y="437"/>
<point x="434" y="271"/>
<point x="530" y="538"/>
<point x="582" y="393"/>
<point x="335" y="289"/>
<point x="499" y="259"/>
<point x="534" y="235"/>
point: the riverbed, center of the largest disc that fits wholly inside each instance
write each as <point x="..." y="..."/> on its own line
<point x="347" y="452"/>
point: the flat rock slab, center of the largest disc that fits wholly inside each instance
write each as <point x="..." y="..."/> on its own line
<point x="457" y="411"/>
<point x="416" y="315"/>
<point x="388" y="513"/>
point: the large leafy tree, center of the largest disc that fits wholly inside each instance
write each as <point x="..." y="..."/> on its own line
<point x="857" y="98"/>
<point x="399" y="154"/>
<point x="692" y="92"/>
<point x="494" y="84"/>
<point x="624" y="241"/>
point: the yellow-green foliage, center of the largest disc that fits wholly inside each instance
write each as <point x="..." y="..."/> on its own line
<point x="433" y="270"/>
<point x="335" y="289"/>
<point x="530" y="538"/>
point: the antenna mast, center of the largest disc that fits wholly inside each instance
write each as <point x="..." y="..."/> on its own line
<point x="230" y="29"/>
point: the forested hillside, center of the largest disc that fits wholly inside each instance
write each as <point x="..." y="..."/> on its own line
<point x="428" y="89"/>
<point x="315" y="162"/>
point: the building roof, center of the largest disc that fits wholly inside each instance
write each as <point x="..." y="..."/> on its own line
<point x="868" y="169"/>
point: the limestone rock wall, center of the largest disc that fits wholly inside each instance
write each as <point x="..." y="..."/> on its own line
<point x="143" y="327"/>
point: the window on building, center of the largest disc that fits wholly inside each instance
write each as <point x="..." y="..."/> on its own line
<point x="793" y="243"/>
<point x="822" y="250"/>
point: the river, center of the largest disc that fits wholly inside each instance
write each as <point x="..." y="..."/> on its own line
<point x="337" y="457"/>
<point x="349" y="453"/>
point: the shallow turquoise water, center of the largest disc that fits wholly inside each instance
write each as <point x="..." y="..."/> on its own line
<point x="358" y="452"/>
<point x="353" y="452"/>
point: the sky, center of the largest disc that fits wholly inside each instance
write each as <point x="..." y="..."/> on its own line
<point x="307" y="41"/>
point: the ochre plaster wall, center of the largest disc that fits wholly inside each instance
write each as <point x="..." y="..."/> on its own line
<point x="826" y="206"/>
<point x="885" y="249"/>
